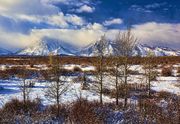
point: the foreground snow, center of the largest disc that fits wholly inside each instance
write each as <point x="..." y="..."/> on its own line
<point x="9" y="89"/>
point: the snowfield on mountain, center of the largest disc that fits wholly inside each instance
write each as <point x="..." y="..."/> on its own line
<point x="46" y="47"/>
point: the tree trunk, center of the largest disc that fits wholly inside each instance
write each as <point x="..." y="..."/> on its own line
<point x="125" y="82"/>
<point x="58" y="108"/>
<point x="117" y="88"/>
<point x="149" y="87"/>
<point x="57" y="99"/>
<point x="101" y="79"/>
<point x="149" y="82"/>
<point x="24" y="91"/>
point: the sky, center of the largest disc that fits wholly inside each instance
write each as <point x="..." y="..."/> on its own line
<point x="82" y="22"/>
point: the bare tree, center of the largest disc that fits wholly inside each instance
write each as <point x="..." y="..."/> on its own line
<point x="125" y="43"/>
<point x="115" y="72"/>
<point x="100" y="49"/>
<point x="84" y="83"/>
<point x="25" y="86"/>
<point x="149" y="71"/>
<point x="58" y="85"/>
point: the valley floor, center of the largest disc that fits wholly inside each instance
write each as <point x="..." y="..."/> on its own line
<point x="9" y="89"/>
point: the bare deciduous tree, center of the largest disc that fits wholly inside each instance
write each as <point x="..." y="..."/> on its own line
<point x="149" y="71"/>
<point x="125" y="43"/>
<point x="25" y="86"/>
<point x="100" y="49"/>
<point x="58" y="85"/>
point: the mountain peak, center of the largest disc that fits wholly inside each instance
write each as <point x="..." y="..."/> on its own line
<point x="46" y="47"/>
<point x="139" y="50"/>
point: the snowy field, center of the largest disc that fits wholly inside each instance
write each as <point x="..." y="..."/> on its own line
<point x="9" y="89"/>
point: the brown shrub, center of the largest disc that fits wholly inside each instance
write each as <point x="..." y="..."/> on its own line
<point x="4" y="74"/>
<point x="164" y="94"/>
<point x="16" y="108"/>
<point x="166" y="71"/>
<point x="131" y="88"/>
<point x="83" y="112"/>
<point x="154" y="113"/>
<point x="178" y="70"/>
<point x="52" y="110"/>
<point x="121" y="92"/>
<point x="77" y="69"/>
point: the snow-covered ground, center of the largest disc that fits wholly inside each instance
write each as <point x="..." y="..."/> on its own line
<point x="9" y="89"/>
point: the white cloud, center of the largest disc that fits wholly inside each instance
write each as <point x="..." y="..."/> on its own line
<point x="28" y="7"/>
<point x="74" y="19"/>
<point x="85" y="8"/>
<point x="38" y="11"/>
<point x="59" y="19"/>
<point x="95" y="26"/>
<point x="159" y="33"/>
<point x="150" y="33"/>
<point x="23" y="17"/>
<point x="77" y="37"/>
<point x="62" y="20"/>
<point x="13" y="40"/>
<point x="155" y="5"/>
<point x="76" y="3"/>
<point x="5" y="4"/>
<point x="113" y="21"/>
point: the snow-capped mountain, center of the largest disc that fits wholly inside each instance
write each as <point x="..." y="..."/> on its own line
<point x="4" y="52"/>
<point x="44" y="48"/>
<point x="92" y="49"/>
<point x="143" y="50"/>
<point x="139" y="50"/>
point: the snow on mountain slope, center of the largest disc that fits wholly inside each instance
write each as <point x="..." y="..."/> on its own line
<point x="92" y="49"/>
<point x="4" y="52"/>
<point x="158" y="51"/>
<point x="43" y="48"/>
<point x="139" y="50"/>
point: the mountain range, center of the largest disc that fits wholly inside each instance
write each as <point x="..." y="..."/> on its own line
<point x="45" y="47"/>
<point x="4" y="52"/>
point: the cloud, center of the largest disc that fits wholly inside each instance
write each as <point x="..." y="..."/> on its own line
<point x="76" y="37"/>
<point x="28" y="7"/>
<point x="74" y="19"/>
<point x="155" y="5"/>
<point x="113" y="21"/>
<point x="60" y="20"/>
<point x="72" y="28"/>
<point x="39" y="11"/>
<point x="95" y="26"/>
<point x="149" y="33"/>
<point x="13" y="40"/>
<point x="74" y="3"/>
<point x="154" y="33"/>
<point x="85" y="8"/>
<point x="5" y="4"/>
